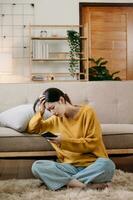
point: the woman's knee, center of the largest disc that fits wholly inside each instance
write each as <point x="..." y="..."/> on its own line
<point x="34" y="168"/>
<point x="106" y="164"/>
<point x="108" y="168"/>
<point x="40" y="165"/>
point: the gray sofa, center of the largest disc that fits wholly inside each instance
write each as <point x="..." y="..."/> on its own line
<point x="112" y="101"/>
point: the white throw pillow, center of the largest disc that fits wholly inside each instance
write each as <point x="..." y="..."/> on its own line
<point x="18" y="117"/>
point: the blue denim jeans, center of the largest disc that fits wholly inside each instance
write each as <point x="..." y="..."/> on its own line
<point x="56" y="175"/>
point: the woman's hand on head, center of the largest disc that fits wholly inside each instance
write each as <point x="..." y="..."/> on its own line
<point x="42" y="104"/>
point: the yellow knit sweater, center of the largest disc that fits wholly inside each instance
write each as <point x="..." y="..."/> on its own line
<point x="81" y="141"/>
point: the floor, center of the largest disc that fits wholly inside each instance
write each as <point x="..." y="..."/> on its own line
<point x="21" y="167"/>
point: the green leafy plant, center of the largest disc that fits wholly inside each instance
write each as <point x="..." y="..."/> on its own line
<point x="99" y="71"/>
<point x="74" y="44"/>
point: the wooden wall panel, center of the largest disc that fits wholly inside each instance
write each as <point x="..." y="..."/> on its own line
<point x="111" y="36"/>
<point x="130" y="46"/>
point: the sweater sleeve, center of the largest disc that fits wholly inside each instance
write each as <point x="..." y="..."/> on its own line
<point x="38" y="125"/>
<point x="89" y="141"/>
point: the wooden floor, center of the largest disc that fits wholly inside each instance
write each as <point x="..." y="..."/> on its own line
<point x="123" y="162"/>
<point x="20" y="168"/>
<point x="12" y="168"/>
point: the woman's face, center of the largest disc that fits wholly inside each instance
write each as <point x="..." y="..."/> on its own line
<point x="56" y="108"/>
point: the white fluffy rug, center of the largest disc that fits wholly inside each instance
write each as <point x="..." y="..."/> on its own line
<point x="29" y="189"/>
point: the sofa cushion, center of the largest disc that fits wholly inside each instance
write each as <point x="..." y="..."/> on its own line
<point x="103" y="98"/>
<point x="18" y="117"/>
<point x="118" y="136"/>
<point x="117" y="128"/>
<point x="77" y="91"/>
<point x="125" y="102"/>
<point x="112" y="101"/>
<point x="118" y="141"/>
<point x="7" y="132"/>
<point x="24" y="143"/>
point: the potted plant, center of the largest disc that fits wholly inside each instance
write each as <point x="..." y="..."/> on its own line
<point x="99" y="71"/>
<point x="74" y="44"/>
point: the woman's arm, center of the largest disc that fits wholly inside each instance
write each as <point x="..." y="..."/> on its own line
<point x="39" y="125"/>
<point x="88" y="140"/>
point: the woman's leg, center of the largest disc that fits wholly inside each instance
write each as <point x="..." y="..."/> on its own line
<point x="54" y="175"/>
<point x="101" y="171"/>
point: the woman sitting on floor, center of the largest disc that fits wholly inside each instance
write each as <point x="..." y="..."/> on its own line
<point x="82" y="158"/>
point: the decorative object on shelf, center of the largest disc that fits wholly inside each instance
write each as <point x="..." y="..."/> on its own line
<point x="54" y="34"/>
<point x="44" y="45"/>
<point x="37" y="77"/>
<point x="50" y="77"/>
<point x="40" y="48"/>
<point x="74" y="44"/>
<point x="99" y="71"/>
<point x="43" y="33"/>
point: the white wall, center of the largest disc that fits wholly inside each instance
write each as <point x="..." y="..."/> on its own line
<point x="63" y="11"/>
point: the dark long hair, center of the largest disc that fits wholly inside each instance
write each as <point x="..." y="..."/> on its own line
<point x="52" y="95"/>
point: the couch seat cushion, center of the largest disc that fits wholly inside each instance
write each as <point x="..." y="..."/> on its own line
<point x="117" y="128"/>
<point x="7" y="132"/>
<point x="115" y="137"/>
<point x="11" y="140"/>
<point x="118" y="136"/>
<point x="118" y="141"/>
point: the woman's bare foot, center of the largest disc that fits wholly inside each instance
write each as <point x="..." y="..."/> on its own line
<point x="76" y="184"/>
<point x="98" y="186"/>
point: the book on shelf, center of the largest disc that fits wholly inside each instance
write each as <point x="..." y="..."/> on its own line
<point x="40" y="49"/>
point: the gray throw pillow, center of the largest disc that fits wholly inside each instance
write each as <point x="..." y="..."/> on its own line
<point x="18" y="117"/>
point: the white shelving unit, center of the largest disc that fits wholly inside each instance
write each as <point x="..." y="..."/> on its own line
<point x="43" y="50"/>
